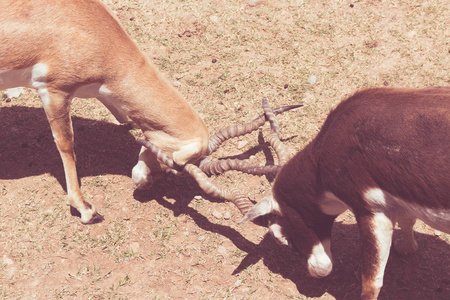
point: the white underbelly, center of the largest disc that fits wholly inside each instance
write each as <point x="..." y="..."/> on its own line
<point x="36" y="77"/>
<point x="381" y="201"/>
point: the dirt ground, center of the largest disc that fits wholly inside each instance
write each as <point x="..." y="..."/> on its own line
<point x="172" y="241"/>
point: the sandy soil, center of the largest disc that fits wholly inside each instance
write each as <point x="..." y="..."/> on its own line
<point x="172" y="241"/>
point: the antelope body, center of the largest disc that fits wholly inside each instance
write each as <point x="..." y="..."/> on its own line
<point x="384" y="154"/>
<point x="77" y="48"/>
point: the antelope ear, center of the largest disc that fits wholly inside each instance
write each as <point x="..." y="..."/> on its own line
<point x="265" y="206"/>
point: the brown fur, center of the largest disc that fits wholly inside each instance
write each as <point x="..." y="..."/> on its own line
<point x="393" y="140"/>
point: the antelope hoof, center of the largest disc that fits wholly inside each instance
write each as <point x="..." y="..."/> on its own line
<point x="96" y="218"/>
<point x="88" y="216"/>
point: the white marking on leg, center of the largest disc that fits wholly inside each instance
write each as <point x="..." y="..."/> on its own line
<point x="45" y="98"/>
<point x="382" y="232"/>
<point x="39" y="82"/>
<point x="39" y="75"/>
<point x="375" y="197"/>
<point x="320" y="261"/>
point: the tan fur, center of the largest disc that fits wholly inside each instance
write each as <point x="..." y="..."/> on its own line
<point x="89" y="54"/>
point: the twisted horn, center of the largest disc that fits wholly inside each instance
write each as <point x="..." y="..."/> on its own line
<point x="233" y="195"/>
<point x="270" y="116"/>
<point x="274" y="136"/>
<point x="242" y="129"/>
<point x="228" y="194"/>
<point x="173" y="167"/>
<point x="223" y="165"/>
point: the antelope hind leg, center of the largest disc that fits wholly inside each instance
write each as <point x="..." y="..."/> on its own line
<point x="407" y="244"/>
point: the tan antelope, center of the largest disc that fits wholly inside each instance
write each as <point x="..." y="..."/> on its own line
<point x="384" y="154"/>
<point x="77" y="48"/>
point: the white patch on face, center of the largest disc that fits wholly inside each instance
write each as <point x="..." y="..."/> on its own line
<point x="331" y="205"/>
<point x="320" y="261"/>
<point x="375" y="197"/>
<point x="275" y="230"/>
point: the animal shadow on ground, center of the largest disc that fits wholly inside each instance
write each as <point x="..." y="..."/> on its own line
<point x="27" y="149"/>
<point x="421" y="275"/>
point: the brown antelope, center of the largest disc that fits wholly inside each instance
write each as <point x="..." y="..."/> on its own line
<point x="77" y="48"/>
<point x="384" y="154"/>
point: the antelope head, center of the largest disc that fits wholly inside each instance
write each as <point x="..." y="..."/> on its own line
<point x="200" y="171"/>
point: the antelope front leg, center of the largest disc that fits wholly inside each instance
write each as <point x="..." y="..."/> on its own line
<point x="376" y="237"/>
<point x="57" y="109"/>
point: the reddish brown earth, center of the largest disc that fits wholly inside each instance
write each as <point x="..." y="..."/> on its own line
<point x="172" y="241"/>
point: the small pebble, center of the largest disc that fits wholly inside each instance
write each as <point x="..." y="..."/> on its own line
<point x="217" y="214"/>
<point x="176" y="83"/>
<point x="242" y="144"/>
<point x="134" y="247"/>
<point x="221" y="250"/>
<point x="253" y="2"/>
<point x="227" y="215"/>
<point x="214" y="19"/>
<point x="312" y="79"/>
